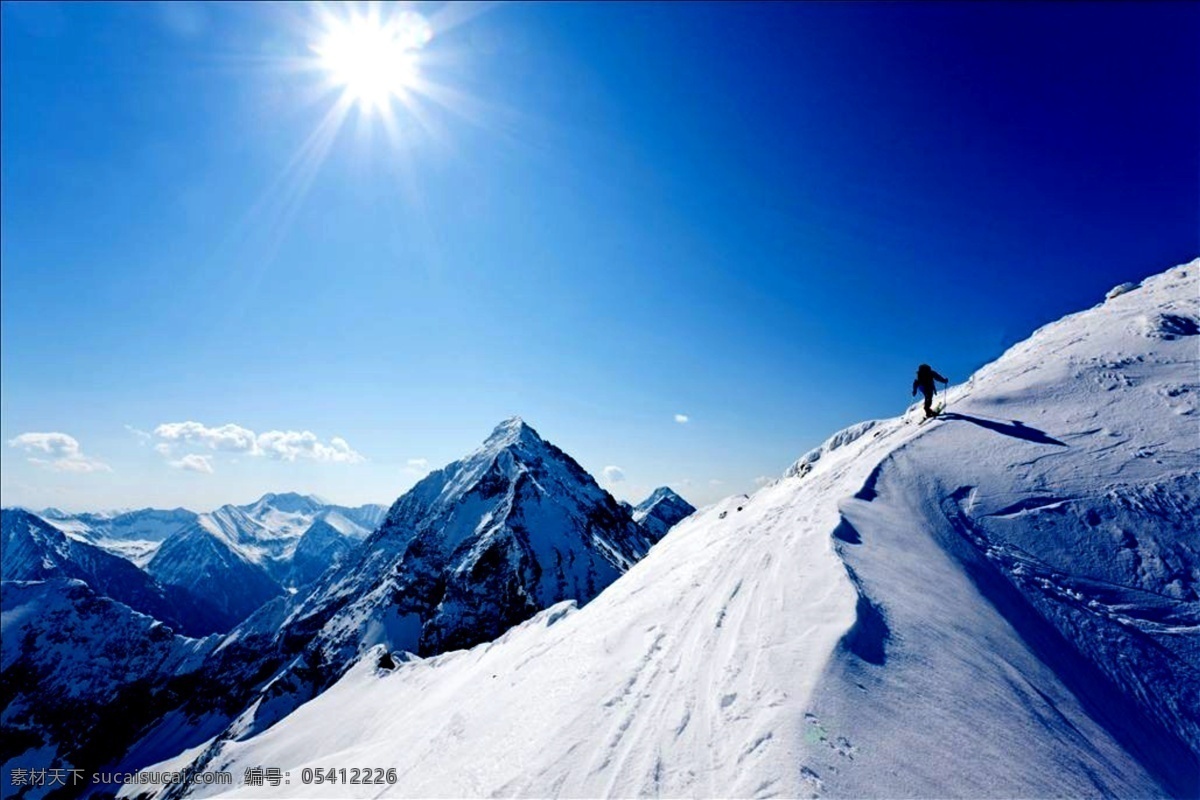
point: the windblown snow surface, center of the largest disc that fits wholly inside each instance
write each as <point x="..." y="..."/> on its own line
<point x="999" y="603"/>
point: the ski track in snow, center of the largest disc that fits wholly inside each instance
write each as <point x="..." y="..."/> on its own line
<point x="890" y="619"/>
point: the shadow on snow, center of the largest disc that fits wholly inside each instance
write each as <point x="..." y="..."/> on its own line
<point x="1015" y="428"/>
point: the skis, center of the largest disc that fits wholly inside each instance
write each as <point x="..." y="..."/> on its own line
<point x="937" y="412"/>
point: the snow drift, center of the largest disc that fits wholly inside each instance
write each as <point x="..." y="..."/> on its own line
<point x="1003" y="602"/>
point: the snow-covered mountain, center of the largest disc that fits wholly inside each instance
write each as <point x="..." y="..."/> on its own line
<point x="238" y="557"/>
<point x="661" y="511"/>
<point x="1002" y="602"/>
<point x="287" y="515"/>
<point x="224" y="564"/>
<point x="289" y="510"/>
<point x="81" y="671"/>
<point x="34" y="550"/>
<point x="205" y="560"/>
<point x="474" y="548"/>
<point x="88" y="656"/>
<point x="273" y="525"/>
<point x="134" y="535"/>
<point x="146" y="524"/>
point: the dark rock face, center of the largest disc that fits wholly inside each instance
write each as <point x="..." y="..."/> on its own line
<point x="201" y="562"/>
<point x="321" y="546"/>
<point x="83" y="673"/>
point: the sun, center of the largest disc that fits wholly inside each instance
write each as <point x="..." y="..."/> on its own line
<point x="374" y="61"/>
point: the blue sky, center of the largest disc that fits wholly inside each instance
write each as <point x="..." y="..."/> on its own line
<point x="596" y="216"/>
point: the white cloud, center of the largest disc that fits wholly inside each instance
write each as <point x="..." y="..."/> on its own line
<point x="65" y="454"/>
<point x="59" y="445"/>
<point x="194" y="463"/>
<point x="281" y="445"/>
<point x="762" y="480"/>
<point x="293" y="445"/>
<point x="614" y="474"/>
<point x="681" y="418"/>
<point x="227" y="437"/>
<point x="715" y="482"/>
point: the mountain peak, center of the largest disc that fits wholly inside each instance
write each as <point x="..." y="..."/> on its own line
<point x="511" y="431"/>
<point x="659" y="494"/>
<point x="288" y="502"/>
<point x="661" y="511"/>
<point x="663" y="494"/>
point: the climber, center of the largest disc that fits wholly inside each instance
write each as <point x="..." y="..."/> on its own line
<point x="924" y="381"/>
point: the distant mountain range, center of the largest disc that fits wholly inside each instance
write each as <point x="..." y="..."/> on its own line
<point x="223" y="564"/>
<point x="35" y="550"/>
<point x="266" y="531"/>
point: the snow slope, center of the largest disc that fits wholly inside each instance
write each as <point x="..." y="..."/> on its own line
<point x="1003" y="602"/>
<point x="1035" y="563"/>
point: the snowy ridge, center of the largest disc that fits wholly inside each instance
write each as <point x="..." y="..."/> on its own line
<point x="1003" y="602"/>
<point x="1050" y="515"/>
<point x="804" y="464"/>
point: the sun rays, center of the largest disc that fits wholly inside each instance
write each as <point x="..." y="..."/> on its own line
<point x="373" y="59"/>
<point x="365" y="66"/>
